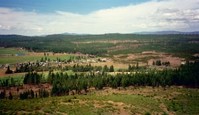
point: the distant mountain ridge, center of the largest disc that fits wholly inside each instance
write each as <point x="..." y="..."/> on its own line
<point x="167" y="32"/>
<point x="150" y="32"/>
<point x="141" y="33"/>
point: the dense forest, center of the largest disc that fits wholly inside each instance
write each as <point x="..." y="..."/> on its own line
<point x="186" y="75"/>
<point x="182" y="44"/>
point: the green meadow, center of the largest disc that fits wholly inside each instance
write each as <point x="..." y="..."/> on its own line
<point x="144" y="100"/>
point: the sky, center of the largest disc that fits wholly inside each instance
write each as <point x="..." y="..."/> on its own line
<point x="42" y="17"/>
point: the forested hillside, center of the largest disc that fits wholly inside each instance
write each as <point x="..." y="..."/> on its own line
<point x="182" y="45"/>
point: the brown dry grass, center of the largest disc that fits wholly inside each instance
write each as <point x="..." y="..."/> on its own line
<point x="156" y="92"/>
<point x="115" y="64"/>
<point x="147" y="58"/>
<point x="107" y="41"/>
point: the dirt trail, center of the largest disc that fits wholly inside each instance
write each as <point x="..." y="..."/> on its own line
<point x="164" y="108"/>
<point x="120" y="106"/>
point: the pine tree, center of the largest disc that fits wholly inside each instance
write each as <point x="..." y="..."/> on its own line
<point x="129" y="68"/>
<point x="111" y="68"/>
<point x="105" y="69"/>
<point x="10" y="96"/>
<point x="137" y="65"/>
<point x="3" y="94"/>
<point x="8" y="71"/>
<point x="32" y="93"/>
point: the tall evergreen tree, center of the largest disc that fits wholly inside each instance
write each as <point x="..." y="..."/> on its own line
<point x="9" y="71"/>
<point x="111" y="68"/>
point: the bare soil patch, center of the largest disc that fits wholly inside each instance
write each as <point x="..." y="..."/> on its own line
<point x="147" y="57"/>
<point x="107" y="41"/>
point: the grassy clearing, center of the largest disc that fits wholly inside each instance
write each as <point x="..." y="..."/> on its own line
<point x="185" y="101"/>
<point x="26" y="58"/>
<point x="18" y="59"/>
<point x="13" y="79"/>
<point x="16" y="75"/>
<point x="134" y="103"/>
<point x="52" y="105"/>
<point x="12" y="51"/>
<point x="46" y="73"/>
<point x="8" y="56"/>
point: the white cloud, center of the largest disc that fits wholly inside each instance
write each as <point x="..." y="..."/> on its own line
<point x="182" y="15"/>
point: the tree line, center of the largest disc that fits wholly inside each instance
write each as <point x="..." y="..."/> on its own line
<point x="187" y="75"/>
<point x="63" y="84"/>
<point x="30" y="94"/>
<point x="89" y="68"/>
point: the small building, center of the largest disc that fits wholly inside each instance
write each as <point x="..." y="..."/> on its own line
<point x="103" y="60"/>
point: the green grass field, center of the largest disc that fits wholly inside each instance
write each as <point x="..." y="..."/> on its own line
<point x="18" y="59"/>
<point x="141" y="100"/>
<point x="14" y="79"/>
<point x="12" y="51"/>
<point x="10" y="59"/>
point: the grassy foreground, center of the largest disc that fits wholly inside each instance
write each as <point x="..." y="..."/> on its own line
<point x="133" y="100"/>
